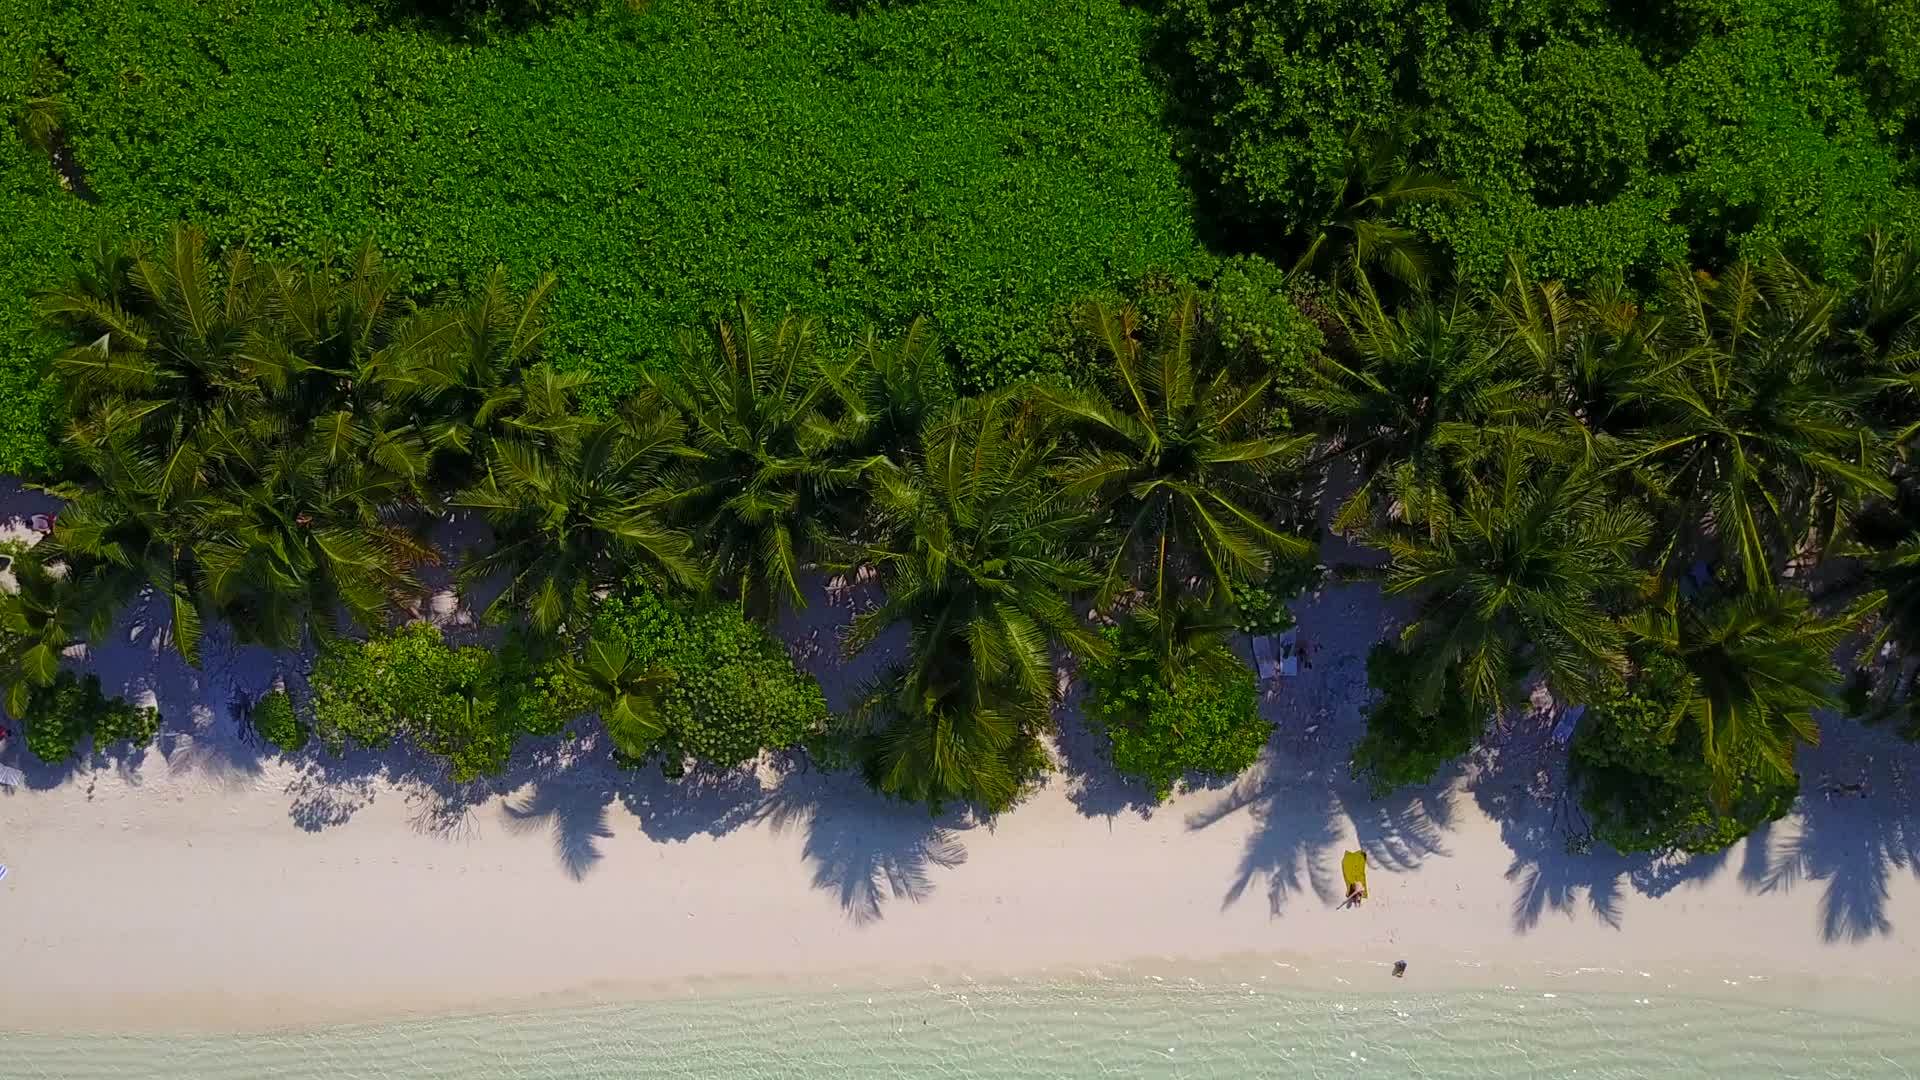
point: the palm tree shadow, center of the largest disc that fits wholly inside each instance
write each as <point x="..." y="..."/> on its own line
<point x="575" y="813"/>
<point x="1547" y="882"/>
<point x="1297" y="827"/>
<point x="1853" y="841"/>
<point x="1524" y="787"/>
<point x="1404" y="829"/>
<point x="865" y="850"/>
<point x="1549" y="873"/>
<point x="706" y="801"/>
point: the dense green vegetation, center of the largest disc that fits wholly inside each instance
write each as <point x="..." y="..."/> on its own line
<point x="1602" y="490"/>
<point x="727" y="689"/>
<point x="1413" y="729"/>
<point x="1056" y="320"/>
<point x="71" y="712"/>
<point x="1205" y="720"/>
<point x="410" y="682"/>
<point x="1593" y="135"/>
<point x="1644" y="777"/>
<point x="982" y="163"/>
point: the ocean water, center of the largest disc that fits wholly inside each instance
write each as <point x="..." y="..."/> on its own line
<point x="1092" y="1029"/>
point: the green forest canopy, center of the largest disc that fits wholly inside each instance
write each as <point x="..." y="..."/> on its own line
<point x="985" y="162"/>
<point x="1596" y="134"/>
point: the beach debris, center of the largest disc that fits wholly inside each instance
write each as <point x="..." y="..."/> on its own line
<point x="1399" y="969"/>
<point x="3" y="871"/>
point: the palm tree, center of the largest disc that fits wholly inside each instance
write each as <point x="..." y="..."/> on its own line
<point x="1588" y="354"/>
<point x="903" y="383"/>
<point x="771" y="427"/>
<point x="1885" y="337"/>
<point x="1758" y="667"/>
<point x="626" y="691"/>
<point x="1759" y="446"/>
<point x="1193" y="641"/>
<point x="41" y="122"/>
<point x="1179" y="460"/>
<point x="481" y="380"/>
<point x="306" y="525"/>
<point x="136" y="520"/>
<point x="972" y="544"/>
<point x="1524" y="577"/>
<point x="162" y="337"/>
<point x="51" y="606"/>
<point x="241" y="437"/>
<point x="271" y="529"/>
<point x="584" y="519"/>
<point x="1356" y="230"/>
<point x="1890" y="294"/>
<point x="1886" y="541"/>
<point x="1413" y="390"/>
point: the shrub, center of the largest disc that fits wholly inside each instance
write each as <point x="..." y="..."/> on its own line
<point x="71" y="710"/>
<point x="1255" y="317"/>
<point x="1592" y="114"/>
<point x="275" y="721"/>
<point x="410" y="683"/>
<point x="1405" y="745"/>
<point x="1260" y="609"/>
<point x="1885" y="57"/>
<point x="476" y="18"/>
<point x="1597" y="135"/>
<point x="732" y="692"/>
<point x="1643" y="780"/>
<point x="538" y="695"/>
<point x="1208" y="723"/>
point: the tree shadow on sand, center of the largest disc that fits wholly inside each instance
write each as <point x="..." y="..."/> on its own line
<point x="1849" y="844"/>
<point x="865" y="850"/>
<point x="1856" y="826"/>
<point x="198" y="732"/>
<point x="1854" y="845"/>
<point x="576" y="816"/>
<point x="1522" y="784"/>
<point x="1523" y="789"/>
<point x="570" y="791"/>
<point x="1302" y="819"/>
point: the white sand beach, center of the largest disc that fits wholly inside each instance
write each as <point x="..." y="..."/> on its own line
<point x="204" y="886"/>
<point x="201" y="886"/>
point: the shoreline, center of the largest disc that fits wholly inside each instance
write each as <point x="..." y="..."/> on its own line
<point x="1840" y="998"/>
<point x="1886" y="1002"/>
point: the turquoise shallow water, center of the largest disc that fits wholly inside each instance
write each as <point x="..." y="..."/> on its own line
<point x="1057" y="1031"/>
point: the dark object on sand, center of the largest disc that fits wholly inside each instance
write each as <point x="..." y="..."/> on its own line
<point x="1399" y="969"/>
<point x="240" y="707"/>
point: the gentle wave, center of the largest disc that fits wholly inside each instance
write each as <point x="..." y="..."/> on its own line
<point x="1020" y="1031"/>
